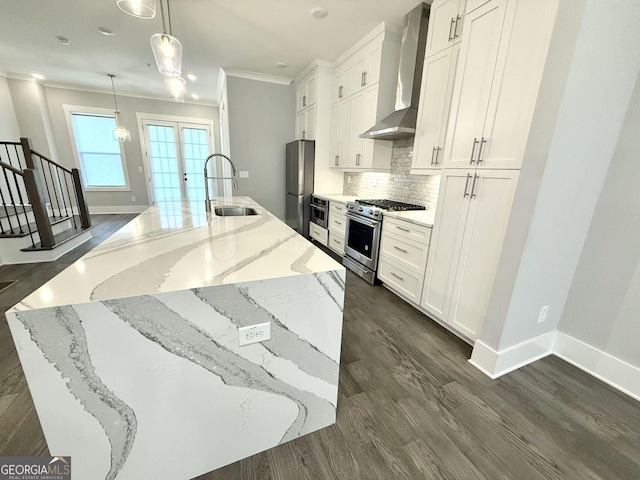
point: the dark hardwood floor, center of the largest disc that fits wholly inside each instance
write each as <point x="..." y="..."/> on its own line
<point x="410" y="407"/>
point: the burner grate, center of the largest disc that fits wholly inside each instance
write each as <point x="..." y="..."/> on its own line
<point x="390" y="205"/>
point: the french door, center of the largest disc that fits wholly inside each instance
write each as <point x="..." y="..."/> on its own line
<point x="176" y="153"/>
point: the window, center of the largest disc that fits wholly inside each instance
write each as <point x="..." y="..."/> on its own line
<point x="99" y="156"/>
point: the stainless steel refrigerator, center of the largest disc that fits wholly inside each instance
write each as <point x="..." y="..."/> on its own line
<point x="299" y="184"/>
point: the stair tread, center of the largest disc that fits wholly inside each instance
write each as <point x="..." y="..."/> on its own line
<point x="11" y="210"/>
<point x="25" y="229"/>
<point x="59" y="239"/>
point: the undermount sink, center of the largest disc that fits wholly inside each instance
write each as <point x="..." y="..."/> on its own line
<point x="234" y="211"/>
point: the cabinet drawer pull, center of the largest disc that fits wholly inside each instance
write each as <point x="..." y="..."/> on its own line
<point x="337" y="160"/>
<point x="338" y="208"/>
<point x="455" y="29"/>
<point x="466" y="185"/>
<point x="473" y="186"/>
<point x="403" y="229"/>
<point x="482" y="144"/>
<point x="335" y="241"/>
<point x="337" y="222"/>
<point x="401" y="249"/>
<point x="473" y="150"/>
<point x="397" y="276"/>
<point x="451" y="34"/>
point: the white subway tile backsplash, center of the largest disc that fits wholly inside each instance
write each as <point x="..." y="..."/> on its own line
<point x="398" y="185"/>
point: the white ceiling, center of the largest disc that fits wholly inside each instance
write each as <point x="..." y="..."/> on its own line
<point x="242" y="34"/>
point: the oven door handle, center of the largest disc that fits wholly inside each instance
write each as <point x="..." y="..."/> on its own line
<point x="324" y="209"/>
<point x="363" y="221"/>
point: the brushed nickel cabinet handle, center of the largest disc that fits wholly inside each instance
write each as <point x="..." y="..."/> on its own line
<point x="473" y="186"/>
<point x="433" y="152"/>
<point x="466" y="185"/>
<point x="397" y="276"/>
<point x="473" y="150"/>
<point x="304" y="100"/>
<point x="340" y="91"/>
<point x="337" y="222"/>
<point x="364" y="78"/>
<point x="304" y="134"/>
<point x="437" y="155"/>
<point x="337" y="160"/>
<point x="358" y="159"/>
<point x="335" y="241"/>
<point x="482" y="144"/>
<point x="400" y="249"/>
<point x="455" y="29"/>
<point x="451" y="35"/>
<point x="403" y="229"/>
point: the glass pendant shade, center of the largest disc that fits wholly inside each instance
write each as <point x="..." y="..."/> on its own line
<point x="138" y="8"/>
<point x="176" y="88"/>
<point x="120" y="133"/>
<point x="167" y="51"/>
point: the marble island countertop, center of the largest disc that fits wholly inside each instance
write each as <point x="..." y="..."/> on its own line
<point x="172" y="246"/>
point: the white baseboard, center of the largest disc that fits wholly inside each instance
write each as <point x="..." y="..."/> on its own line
<point x="495" y="363"/>
<point x="117" y="209"/>
<point x="611" y="370"/>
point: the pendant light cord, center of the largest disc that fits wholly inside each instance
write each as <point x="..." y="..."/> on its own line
<point x="113" y="87"/>
<point x="164" y="25"/>
<point x="169" y="17"/>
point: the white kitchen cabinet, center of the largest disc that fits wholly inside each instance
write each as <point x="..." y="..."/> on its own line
<point x="342" y="80"/>
<point x="340" y="128"/>
<point x="305" y="124"/>
<point x="337" y="226"/>
<point x="497" y="83"/>
<point x="446" y="20"/>
<point x="366" y="65"/>
<point x="306" y="92"/>
<point x="318" y="233"/>
<point x="433" y="111"/>
<point x="471" y="221"/>
<point x="404" y="248"/>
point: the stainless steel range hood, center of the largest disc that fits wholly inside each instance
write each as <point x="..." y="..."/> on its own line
<point x="402" y="122"/>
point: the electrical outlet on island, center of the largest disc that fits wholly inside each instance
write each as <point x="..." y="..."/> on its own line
<point x="254" y="333"/>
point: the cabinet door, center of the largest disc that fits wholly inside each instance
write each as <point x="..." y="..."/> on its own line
<point x="342" y="81"/>
<point x="311" y="91"/>
<point x="300" y="93"/>
<point x="345" y="120"/>
<point x="334" y="161"/>
<point x="301" y="121"/>
<point x="445" y="24"/>
<point x="483" y="28"/>
<point x="366" y="65"/>
<point x="433" y="109"/>
<point x="446" y="240"/>
<point x="310" y="120"/>
<point x="369" y="119"/>
<point x="356" y="128"/>
<point x="490" y="205"/>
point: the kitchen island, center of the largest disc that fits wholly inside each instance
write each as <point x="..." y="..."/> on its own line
<point x="132" y="353"/>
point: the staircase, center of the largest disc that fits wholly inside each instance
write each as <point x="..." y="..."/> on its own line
<point x="43" y="211"/>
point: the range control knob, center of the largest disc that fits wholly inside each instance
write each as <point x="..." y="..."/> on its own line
<point x="360" y="209"/>
<point x="377" y="214"/>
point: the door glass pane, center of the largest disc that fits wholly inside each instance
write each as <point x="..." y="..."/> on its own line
<point x="164" y="163"/>
<point x="360" y="238"/>
<point x="196" y="150"/>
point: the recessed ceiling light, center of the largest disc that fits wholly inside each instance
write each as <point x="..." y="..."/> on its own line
<point x="195" y="96"/>
<point x="281" y="65"/>
<point x="192" y="77"/>
<point x="63" y="40"/>
<point x="106" y="31"/>
<point x="37" y="75"/>
<point x="319" y="12"/>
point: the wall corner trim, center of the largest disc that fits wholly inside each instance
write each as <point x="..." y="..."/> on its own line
<point x="611" y="370"/>
<point x="495" y="363"/>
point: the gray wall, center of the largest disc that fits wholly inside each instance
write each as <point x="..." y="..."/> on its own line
<point x="57" y="97"/>
<point x="600" y="80"/>
<point x="9" y="130"/>
<point x="603" y="305"/>
<point x="261" y="123"/>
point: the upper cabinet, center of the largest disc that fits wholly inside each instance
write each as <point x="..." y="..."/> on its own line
<point x="445" y="25"/>
<point x="433" y="111"/>
<point x="364" y="83"/>
<point x="306" y="92"/>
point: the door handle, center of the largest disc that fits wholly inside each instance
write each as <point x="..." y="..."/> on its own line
<point x="466" y="186"/>
<point x="400" y="249"/>
<point x="451" y="35"/>
<point x="185" y="177"/>
<point x="473" y="150"/>
<point x="455" y="29"/>
<point x="473" y="186"/>
<point x="482" y="144"/>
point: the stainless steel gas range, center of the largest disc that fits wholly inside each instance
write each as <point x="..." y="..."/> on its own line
<point x="362" y="235"/>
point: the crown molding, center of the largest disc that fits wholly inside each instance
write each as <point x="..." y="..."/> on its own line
<point x="260" y="77"/>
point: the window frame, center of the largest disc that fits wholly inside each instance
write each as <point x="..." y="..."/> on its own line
<point x="69" y="110"/>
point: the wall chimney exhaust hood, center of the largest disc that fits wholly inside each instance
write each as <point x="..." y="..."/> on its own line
<point x="402" y="122"/>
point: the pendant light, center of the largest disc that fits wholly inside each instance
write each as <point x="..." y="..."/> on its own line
<point x="119" y="133"/>
<point x="138" y="8"/>
<point x="176" y="88"/>
<point x="167" y="49"/>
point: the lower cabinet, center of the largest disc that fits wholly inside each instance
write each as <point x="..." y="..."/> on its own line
<point x="404" y="247"/>
<point x="318" y="233"/>
<point x="337" y="226"/>
<point x="469" y="228"/>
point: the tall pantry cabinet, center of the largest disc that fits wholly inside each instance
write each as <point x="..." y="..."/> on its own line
<point x="503" y="50"/>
